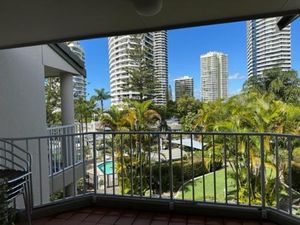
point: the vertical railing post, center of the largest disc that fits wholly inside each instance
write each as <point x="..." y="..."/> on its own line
<point x="104" y="161"/>
<point x="193" y="175"/>
<point x="83" y="163"/>
<point x="203" y="165"/>
<point x="95" y="163"/>
<point x="170" y="165"/>
<point x="262" y="167"/>
<point x="182" y="168"/>
<point x="225" y="169"/>
<point x="159" y="165"/>
<point x="277" y="173"/>
<point x="289" y="148"/>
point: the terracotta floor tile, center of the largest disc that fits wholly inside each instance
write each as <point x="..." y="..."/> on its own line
<point x="66" y="215"/>
<point x="99" y="211"/>
<point x="42" y="221"/>
<point x="73" y="222"/>
<point x="177" y="223"/>
<point x="93" y="218"/>
<point x="161" y="217"/>
<point x="86" y="210"/>
<point x="178" y="218"/>
<point x="108" y="219"/>
<point x="114" y="216"/>
<point x="87" y="223"/>
<point x="160" y="222"/>
<point x="132" y="213"/>
<point x="145" y="215"/>
<point x="125" y="220"/>
<point x="79" y="216"/>
<point x="114" y="213"/>
<point x="141" y="221"/>
<point x="56" y="222"/>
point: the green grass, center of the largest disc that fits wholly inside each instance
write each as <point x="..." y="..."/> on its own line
<point x="209" y="187"/>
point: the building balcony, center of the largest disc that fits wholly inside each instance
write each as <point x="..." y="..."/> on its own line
<point x="164" y="178"/>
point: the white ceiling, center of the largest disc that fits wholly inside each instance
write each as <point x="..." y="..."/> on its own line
<point x="29" y="22"/>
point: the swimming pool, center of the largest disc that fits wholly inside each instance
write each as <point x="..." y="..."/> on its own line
<point x="108" y="167"/>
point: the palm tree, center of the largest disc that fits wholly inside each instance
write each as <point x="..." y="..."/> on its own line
<point x="84" y="110"/>
<point x="101" y="95"/>
<point x="140" y="116"/>
<point x="114" y="118"/>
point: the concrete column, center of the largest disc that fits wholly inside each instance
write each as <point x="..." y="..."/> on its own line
<point x="67" y="99"/>
<point x="67" y="118"/>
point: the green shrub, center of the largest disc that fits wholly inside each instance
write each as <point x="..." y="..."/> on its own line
<point x="180" y="170"/>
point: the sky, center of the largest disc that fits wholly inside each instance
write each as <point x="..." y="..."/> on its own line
<point x="184" y="49"/>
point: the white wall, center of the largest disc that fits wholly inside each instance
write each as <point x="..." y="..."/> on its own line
<point x="22" y="105"/>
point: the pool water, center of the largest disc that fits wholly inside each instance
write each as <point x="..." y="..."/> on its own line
<point x="108" y="167"/>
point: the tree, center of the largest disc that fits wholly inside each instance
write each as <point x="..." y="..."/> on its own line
<point x="53" y="101"/>
<point x="114" y="118"/>
<point x="284" y="85"/>
<point x="141" y="73"/>
<point x="84" y="110"/>
<point x="101" y="95"/>
<point x="187" y="104"/>
<point x="140" y="116"/>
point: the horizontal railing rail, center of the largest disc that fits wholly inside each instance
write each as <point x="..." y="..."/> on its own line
<point x="229" y="168"/>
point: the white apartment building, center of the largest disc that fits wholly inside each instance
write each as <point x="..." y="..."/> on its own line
<point x="214" y="76"/>
<point x="119" y="60"/>
<point x="267" y="47"/>
<point x="184" y="86"/>
<point x="160" y="53"/>
<point x="79" y="82"/>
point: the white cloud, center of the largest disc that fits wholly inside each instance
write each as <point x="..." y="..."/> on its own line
<point x="236" y="76"/>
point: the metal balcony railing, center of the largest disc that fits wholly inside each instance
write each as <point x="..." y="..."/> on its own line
<point x="255" y="170"/>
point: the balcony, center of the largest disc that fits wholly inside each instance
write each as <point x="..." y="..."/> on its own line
<point x="122" y="177"/>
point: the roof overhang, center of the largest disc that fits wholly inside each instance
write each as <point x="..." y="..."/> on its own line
<point x="64" y="51"/>
<point x="37" y="22"/>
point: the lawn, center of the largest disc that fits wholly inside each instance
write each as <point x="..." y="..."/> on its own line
<point x="209" y="187"/>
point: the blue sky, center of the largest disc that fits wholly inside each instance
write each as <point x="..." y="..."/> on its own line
<point x="184" y="49"/>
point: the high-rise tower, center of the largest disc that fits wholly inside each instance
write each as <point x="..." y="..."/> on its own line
<point x="214" y="76"/>
<point x="267" y="47"/>
<point x="184" y="86"/>
<point x="79" y="82"/>
<point x="119" y="61"/>
<point x="160" y="53"/>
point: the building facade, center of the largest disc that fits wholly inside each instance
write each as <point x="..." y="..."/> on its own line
<point x="214" y="76"/>
<point x="119" y="62"/>
<point x="267" y="47"/>
<point x="79" y="82"/>
<point x="160" y="53"/>
<point x="184" y="86"/>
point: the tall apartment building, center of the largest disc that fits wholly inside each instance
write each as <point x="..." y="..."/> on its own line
<point x="214" y="76"/>
<point x="184" y="86"/>
<point x="79" y="82"/>
<point x="160" y="53"/>
<point x="266" y="46"/>
<point x="119" y="61"/>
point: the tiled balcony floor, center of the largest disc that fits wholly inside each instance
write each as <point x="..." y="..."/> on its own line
<point x="98" y="216"/>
